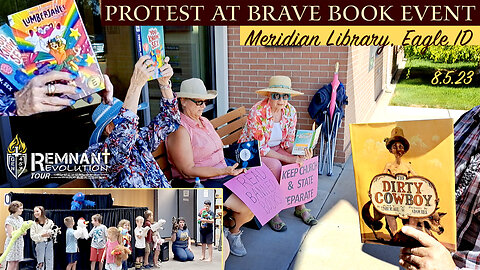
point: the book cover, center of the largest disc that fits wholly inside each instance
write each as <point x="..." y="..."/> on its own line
<point x="246" y="154"/>
<point x="404" y="175"/>
<point x="150" y="41"/>
<point x="12" y="75"/>
<point x="51" y="36"/>
<point x="305" y="139"/>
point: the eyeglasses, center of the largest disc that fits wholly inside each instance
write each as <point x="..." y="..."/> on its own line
<point x="277" y="96"/>
<point x="198" y="102"/>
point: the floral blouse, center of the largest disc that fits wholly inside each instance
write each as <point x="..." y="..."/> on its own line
<point x="259" y="126"/>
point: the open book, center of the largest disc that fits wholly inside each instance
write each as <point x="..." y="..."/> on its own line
<point x="306" y="139"/>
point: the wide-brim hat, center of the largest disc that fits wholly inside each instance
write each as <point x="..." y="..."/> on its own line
<point x="397" y="136"/>
<point x="279" y="84"/>
<point x="103" y="115"/>
<point x="195" y="88"/>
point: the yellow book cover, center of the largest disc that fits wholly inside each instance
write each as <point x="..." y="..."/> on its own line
<point x="404" y="175"/>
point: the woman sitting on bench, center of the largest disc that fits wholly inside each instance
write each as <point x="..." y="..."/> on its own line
<point x="196" y="150"/>
<point x="272" y="122"/>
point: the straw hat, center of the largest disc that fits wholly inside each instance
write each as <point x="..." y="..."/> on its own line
<point x="397" y="136"/>
<point x="279" y="84"/>
<point x="195" y="88"/>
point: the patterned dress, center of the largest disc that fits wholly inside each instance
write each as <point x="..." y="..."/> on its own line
<point x="16" y="253"/>
<point x="131" y="163"/>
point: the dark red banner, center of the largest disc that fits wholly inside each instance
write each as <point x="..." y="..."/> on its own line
<point x="154" y="12"/>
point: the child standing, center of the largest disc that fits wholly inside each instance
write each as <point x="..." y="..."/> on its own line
<point x="40" y="234"/>
<point x="124" y="226"/>
<point x="205" y="218"/>
<point x="149" y="238"/>
<point x="140" y="234"/>
<point x="114" y="239"/>
<point x="157" y="246"/>
<point x="13" y="222"/>
<point x="99" y="240"/>
<point x="71" y="244"/>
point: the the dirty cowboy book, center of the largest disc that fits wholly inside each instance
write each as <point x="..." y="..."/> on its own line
<point x="404" y="174"/>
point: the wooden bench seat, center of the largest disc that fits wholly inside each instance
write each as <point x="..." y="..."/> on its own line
<point x="228" y="126"/>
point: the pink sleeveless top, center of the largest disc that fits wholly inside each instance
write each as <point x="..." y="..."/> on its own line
<point x="206" y="145"/>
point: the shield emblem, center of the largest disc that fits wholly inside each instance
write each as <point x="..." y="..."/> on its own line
<point x="16" y="163"/>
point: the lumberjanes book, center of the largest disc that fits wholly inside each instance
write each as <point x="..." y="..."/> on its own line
<point x="51" y="36"/>
<point x="12" y="75"/>
<point x="404" y="175"/>
<point x="150" y="41"/>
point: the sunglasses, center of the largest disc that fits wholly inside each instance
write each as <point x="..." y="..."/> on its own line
<point x="198" y="102"/>
<point x="277" y="96"/>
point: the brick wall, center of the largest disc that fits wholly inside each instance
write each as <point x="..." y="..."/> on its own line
<point x="250" y="69"/>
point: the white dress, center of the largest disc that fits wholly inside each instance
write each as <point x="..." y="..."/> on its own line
<point x="16" y="253"/>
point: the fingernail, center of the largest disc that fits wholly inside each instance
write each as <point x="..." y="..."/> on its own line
<point x="72" y="102"/>
<point x="89" y="99"/>
<point x="78" y="90"/>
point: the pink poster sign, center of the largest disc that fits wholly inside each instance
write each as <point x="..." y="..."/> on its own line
<point x="259" y="190"/>
<point x="300" y="184"/>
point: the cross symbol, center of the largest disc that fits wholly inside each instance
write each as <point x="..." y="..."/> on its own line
<point x="105" y="154"/>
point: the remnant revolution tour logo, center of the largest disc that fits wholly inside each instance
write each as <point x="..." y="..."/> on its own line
<point x="55" y="165"/>
<point x="17" y="157"/>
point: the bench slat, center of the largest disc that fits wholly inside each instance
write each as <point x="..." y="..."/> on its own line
<point x="228" y="117"/>
<point x="232" y="127"/>
<point x="233" y="138"/>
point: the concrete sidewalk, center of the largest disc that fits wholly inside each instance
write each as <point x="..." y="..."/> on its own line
<point x="334" y="243"/>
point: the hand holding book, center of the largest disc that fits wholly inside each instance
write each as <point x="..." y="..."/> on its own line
<point x="41" y="94"/>
<point x="433" y="255"/>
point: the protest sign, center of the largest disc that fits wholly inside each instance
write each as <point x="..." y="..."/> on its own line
<point x="259" y="190"/>
<point x="299" y="184"/>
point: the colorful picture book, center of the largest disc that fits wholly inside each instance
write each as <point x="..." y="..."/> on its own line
<point x="305" y="139"/>
<point x="12" y="75"/>
<point x="51" y="36"/>
<point x="246" y="154"/>
<point x="150" y="41"/>
<point x="404" y="175"/>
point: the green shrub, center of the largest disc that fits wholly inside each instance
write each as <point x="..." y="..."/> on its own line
<point x="444" y="54"/>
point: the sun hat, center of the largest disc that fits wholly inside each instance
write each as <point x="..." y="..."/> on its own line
<point x="195" y="88"/>
<point x="103" y="115"/>
<point x="397" y="136"/>
<point x="279" y="84"/>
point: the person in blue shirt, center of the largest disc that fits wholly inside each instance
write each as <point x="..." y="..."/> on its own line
<point x="71" y="248"/>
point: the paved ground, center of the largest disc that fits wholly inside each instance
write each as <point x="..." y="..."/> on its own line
<point x="334" y="243"/>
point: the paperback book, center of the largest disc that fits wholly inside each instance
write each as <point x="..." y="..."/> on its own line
<point x="150" y="41"/>
<point x="52" y="36"/>
<point x="404" y="175"/>
<point x="305" y="139"/>
<point x="12" y="75"/>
